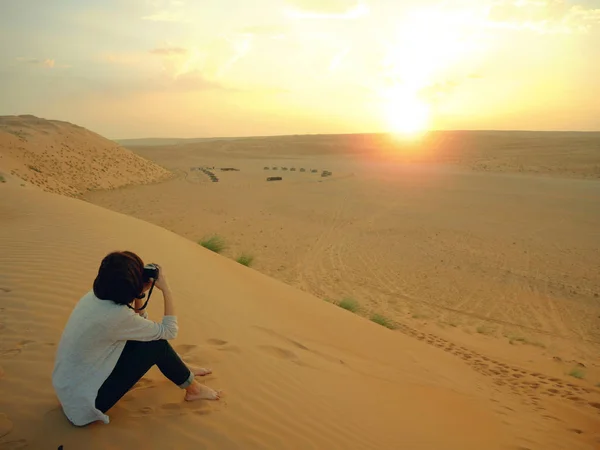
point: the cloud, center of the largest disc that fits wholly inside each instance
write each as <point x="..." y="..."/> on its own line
<point x="324" y="6"/>
<point x="166" y="11"/>
<point x="193" y="81"/>
<point x="200" y="66"/>
<point x="270" y="31"/>
<point x="169" y="51"/>
<point x="48" y="63"/>
<point x="327" y="9"/>
<point x="124" y="59"/>
<point x="542" y="16"/>
<point x="166" y="16"/>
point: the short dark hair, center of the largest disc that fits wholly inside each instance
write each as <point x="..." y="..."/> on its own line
<point x="120" y="278"/>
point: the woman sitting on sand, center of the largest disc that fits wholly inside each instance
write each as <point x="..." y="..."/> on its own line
<point x="107" y="347"/>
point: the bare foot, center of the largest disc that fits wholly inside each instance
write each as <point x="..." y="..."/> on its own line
<point x="199" y="371"/>
<point x="197" y="391"/>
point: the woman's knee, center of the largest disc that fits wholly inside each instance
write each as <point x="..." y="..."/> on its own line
<point x="160" y="345"/>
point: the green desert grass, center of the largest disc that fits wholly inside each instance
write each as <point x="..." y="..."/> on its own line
<point x="383" y="321"/>
<point x="349" y="304"/>
<point x="214" y="243"/>
<point x="577" y="373"/>
<point x="245" y="259"/>
<point x="2" y="180"/>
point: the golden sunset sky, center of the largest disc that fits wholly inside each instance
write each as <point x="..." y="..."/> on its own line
<point x="183" y="68"/>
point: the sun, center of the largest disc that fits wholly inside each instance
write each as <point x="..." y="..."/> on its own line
<point x="426" y="52"/>
<point x="406" y="114"/>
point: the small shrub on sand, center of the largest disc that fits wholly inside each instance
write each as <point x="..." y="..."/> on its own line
<point x="514" y="340"/>
<point x="245" y="259"/>
<point x="577" y="373"/>
<point x="419" y="316"/>
<point x="383" y="321"/>
<point x="2" y="180"/>
<point x="349" y="304"/>
<point x="484" y="329"/>
<point x="214" y="243"/>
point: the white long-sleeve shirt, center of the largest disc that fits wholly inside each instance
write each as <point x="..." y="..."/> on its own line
<point x="90" y="346"/>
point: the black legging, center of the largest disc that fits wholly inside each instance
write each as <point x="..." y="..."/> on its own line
<point x="137" y="358"/>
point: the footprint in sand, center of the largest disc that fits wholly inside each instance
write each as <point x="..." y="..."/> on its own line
<point x="146" y="410"/>
<point x="279" y="352"/>
<point x="547" y="416"/>
<point x="14" y="445"/>
<point x="143" y="383"/>
<point x="15" y="351"/>
<point x="171" y="406"/>
<point x="182" y="349"/>
<point x="595" y="405"/>
<point x="223" y="345"/>
<point x="6" y="425"/>
<point x="11" y="352"/>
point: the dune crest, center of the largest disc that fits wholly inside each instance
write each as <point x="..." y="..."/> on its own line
<point x="67" y="159"/>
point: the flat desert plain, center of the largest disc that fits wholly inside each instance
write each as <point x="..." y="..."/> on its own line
<point x="489" y="237"/>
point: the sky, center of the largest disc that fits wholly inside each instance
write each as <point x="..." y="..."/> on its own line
<point x="199" y="68"/>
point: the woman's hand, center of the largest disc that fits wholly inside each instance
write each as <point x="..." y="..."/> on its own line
<point x="161" y="282"/>
<point x="163" y="285"/>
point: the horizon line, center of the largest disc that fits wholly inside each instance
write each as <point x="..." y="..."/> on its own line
<point x="355" y="134"/>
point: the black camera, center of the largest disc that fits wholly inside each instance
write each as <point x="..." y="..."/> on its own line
<point x="150" y="271"/>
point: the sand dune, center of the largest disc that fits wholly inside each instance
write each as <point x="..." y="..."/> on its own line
<point x="67" y="159"/>
<point x="298" y="372"/>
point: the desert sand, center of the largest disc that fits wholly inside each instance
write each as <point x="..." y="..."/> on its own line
<point x="67" y="159"/>
<point x="488" y="277"/>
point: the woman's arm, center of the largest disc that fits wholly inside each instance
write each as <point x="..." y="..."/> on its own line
<point x="142" y="329"/>
<point x="139" y="302"/>
<point x="163" y="285"/>
<point x="168" y="299"/>
<point x="136" y="328"/>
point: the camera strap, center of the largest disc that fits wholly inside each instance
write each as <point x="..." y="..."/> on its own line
<point x="142" y="296"/>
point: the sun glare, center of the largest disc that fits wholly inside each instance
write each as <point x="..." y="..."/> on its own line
<point x="429" y="43"/>
<point x="406" y="114"/>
